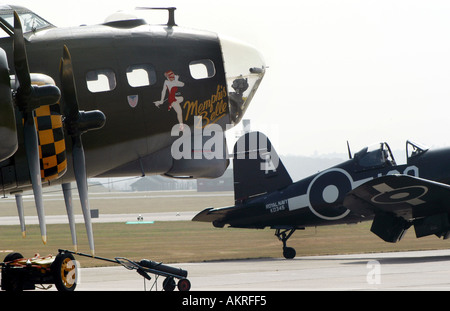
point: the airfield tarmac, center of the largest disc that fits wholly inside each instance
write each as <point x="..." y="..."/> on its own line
<point x="406" y="271"/>
<point x="410" y="271"/>
<point x="105" y="218"/>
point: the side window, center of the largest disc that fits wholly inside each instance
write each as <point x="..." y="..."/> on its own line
<point x="141" y="75"/>
<point x="102" y="80"/>
<point x="202" y="69"/>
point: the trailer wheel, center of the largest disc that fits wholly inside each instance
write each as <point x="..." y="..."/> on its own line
<point x="11" y="282"/>
<point x="169" y="284"/>
<point x="12" y="256"/>
<point x="64" y="272"/>
<point x="184" y="285"/>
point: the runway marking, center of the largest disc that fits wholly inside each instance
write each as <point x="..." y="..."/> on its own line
<point x="139" y="222"/>
<point x="105" y="196"/>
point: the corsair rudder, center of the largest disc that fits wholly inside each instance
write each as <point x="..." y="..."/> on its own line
<point x="257" y="167"/>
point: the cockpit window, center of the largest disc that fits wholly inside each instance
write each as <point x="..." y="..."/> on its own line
<point x="414" y="149"/>
<point x="378" y="155"/>
<point x="31" y="22"/>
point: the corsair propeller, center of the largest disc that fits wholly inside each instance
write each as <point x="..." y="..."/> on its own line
<point x="29" y="97"/>
<point x="78" y="122"/>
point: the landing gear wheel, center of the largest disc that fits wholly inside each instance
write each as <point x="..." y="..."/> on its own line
<point x="184" y="285"/>
<point x="169" y="284"/>
<point x="289" y="252"/>
<point x="64" y="271"/>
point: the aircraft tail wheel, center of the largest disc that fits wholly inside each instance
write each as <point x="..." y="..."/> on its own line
<point x="169" y="284"/>
<point x="184" y="285"/>
<point x="64" y="272"/>
<point x="289" y="252"/>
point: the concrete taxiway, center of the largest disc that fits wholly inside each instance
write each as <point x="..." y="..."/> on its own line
<point x="104" y="218"/>
<point x="418" y="270"/>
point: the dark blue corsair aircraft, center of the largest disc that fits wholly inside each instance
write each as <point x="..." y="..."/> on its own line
<point x="369" y="186"/>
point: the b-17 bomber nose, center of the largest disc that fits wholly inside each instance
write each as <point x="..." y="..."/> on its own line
<point x="245" y="68"/>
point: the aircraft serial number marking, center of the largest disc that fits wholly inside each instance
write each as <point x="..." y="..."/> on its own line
<point x="277" y="206"/>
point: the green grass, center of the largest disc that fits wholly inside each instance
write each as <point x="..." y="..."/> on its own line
<point x="125" y="202"/>
<point x="184" y="241"/>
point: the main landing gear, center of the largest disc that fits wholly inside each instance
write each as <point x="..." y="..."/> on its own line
<point x="283" y="235"/>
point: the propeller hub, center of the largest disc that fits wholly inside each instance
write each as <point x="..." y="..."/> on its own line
<point x="85" y="121"/>
<point x="33" y="97"/>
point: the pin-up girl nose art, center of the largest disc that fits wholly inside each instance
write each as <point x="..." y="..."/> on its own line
<point x="174" y="99"/>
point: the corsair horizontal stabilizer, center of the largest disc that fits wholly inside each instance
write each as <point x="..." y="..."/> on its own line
<point x="214" y="215"/>
<point x="243" y="216"/>
<point x="257" y="167"/>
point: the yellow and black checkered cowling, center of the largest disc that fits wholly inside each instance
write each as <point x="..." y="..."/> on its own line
<point x="52" y="147"/>
<point x="49" y="127"/>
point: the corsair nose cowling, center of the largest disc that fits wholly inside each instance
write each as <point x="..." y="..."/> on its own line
<point x="245" y="68"/>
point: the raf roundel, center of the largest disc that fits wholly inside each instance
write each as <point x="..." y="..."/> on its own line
<point x="326" y="190"/>
<point x="388" y="195"/>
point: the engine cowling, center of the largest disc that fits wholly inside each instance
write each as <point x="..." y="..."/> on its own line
<point x="49" y="127"/>
<point x="50" y="133"/>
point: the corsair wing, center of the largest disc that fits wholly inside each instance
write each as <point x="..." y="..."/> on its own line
<point x="403" y="195"/>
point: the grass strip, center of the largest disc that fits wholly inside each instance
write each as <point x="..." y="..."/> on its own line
<point x="186" y="241"/>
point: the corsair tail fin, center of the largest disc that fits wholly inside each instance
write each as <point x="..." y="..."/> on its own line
<point x="257" y="167"/>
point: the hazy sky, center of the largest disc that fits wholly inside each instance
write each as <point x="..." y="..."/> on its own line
<point x="363" y="71"/>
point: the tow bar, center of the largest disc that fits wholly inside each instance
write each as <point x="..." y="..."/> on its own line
<point x="20" y="273"/>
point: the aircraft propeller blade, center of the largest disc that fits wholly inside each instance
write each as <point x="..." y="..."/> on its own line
<point x="19" y="203"/>
<point x="79" y="165"/>
<point x="32" y="151"/>
<point x="70" y="107"/>
<point x="28" y="98"/>
<point x="20" y="56"/>
<point x="67" y="191"/>
<point x="78" y="122"/>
